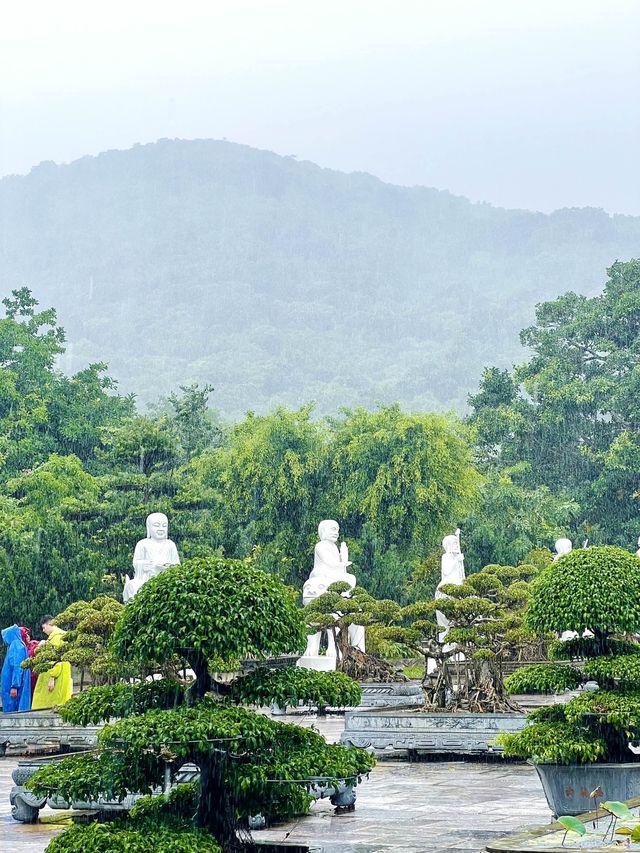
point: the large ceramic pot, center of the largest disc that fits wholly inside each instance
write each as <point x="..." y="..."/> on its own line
<point x="567" y="786"/>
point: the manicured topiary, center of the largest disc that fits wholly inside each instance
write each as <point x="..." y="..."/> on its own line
<point x="485" y="615"/>
<point x="202" y="613"/>
<point x="133" y="836"/>
<point x="88" y="627"/>
<point x="596" y="590"/>
<point x="210" y="609"/>
<point x="296" y="685"/>
<point x="543" y="678"/>
<point x="119" y="700"/>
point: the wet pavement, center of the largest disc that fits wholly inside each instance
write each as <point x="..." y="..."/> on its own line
<point x="415" y="808"/>
<point x="22" y="837"/>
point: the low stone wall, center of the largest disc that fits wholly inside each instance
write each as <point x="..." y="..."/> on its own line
<point x="30" y="732"/>
<point x="407" y="732"/>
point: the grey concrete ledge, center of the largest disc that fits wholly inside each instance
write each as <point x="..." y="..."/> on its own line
<point x="408" y="731"/>
<point x="42" y="731"/>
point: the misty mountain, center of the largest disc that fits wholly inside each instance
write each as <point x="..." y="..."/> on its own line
<point x="280" y="282"/>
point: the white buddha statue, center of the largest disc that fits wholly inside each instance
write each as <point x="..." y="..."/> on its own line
<point x="152" y="555"/>
<point x="451" y="572"/>
<point x="330" y="565"/>
<point x="329" y="561"/>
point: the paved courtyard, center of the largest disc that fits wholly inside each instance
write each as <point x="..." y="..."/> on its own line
<point x="415" y="808"/>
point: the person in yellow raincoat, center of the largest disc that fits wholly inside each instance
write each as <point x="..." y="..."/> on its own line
<point x="54" y="687"/>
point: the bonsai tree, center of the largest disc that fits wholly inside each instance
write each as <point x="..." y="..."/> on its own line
<point x="208" y="613"/>
<point x="486" y="616"/>
<point x="89" y="626"/>
<point x="334" y="612"/>
<point x="596" y="593"/>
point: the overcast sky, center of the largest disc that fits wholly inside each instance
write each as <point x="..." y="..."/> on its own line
<point x="522" y="103"/>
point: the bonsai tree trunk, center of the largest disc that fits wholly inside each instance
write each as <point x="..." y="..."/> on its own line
<point x="216" y="811"/>
<point x="437" y="686"/>
<point x="203" y="683"/>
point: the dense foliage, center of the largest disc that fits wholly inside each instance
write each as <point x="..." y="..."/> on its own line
<point x="595" y="589"/>
<point x="134" y="836"/>
<point x="542" y="678"/>
<point x="599" y="723"/>
<point x="296" y="685"/>
<point x="88" y="627"/>
<point x="97" y="704"/>
<point x="567" y="419"/>
<point x="248" y="612"/>
<point x="80" y="470"/>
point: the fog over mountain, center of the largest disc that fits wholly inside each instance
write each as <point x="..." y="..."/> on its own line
<point x="280" y="282"/>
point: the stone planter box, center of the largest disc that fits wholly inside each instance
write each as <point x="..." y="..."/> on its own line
<point x="42" y="731"/>
<point x="407" y="732"/>
<point x="567" y="786"/>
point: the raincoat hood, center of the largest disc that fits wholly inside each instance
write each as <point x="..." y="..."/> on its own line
<point x="11" y="634"/>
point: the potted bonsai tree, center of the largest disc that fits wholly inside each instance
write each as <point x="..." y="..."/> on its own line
<point x="585" y="744"/>
<point x="206" y="613"/>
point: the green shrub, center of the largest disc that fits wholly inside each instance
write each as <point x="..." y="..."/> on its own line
<point x="622" y="671"/>
<point x="206" y="609"/>
<point x="595" y="589"/>
<point x="294" y="685"/>
<point x="553" y="743"/>
<point x="585" y="648"/>
<point x="133" y="837"/>
<point x="543" y="678"/>
<point x="119" y="700"/>
<point x="178" y="805"/>
<point x="205" y="612"/>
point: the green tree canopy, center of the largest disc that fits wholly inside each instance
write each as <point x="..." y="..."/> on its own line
<point x="571" y="412"/>
<point x="590" y="588"/>
<point x="247" y="612"/>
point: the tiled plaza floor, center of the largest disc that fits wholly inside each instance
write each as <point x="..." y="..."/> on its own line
<point x="414" y="808"/>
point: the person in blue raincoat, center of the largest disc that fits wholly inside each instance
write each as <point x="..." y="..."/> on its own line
<point x="16" y="682"/>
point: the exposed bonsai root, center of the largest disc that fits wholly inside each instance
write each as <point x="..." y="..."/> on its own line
<point x="364" y="667"/>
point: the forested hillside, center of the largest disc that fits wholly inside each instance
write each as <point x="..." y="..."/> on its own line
<point x="279" y="282"/>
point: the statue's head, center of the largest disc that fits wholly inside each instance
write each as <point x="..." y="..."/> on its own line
<point x="451" y="544"/>
<point x="157" y="526"/>
<point x="329" y="529"/>
<point x="563" y="546"/>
